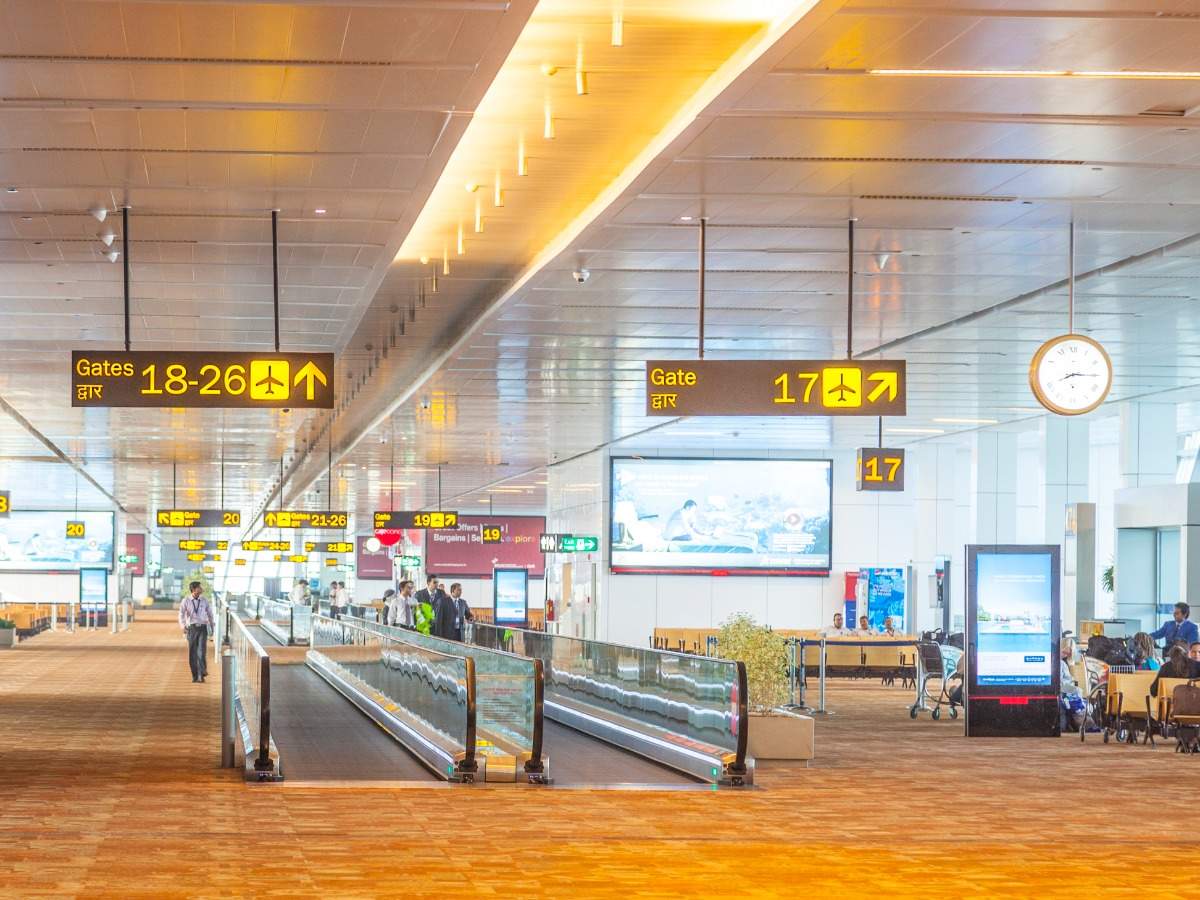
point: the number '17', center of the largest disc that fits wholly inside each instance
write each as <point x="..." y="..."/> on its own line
<point x="783" y="382"/>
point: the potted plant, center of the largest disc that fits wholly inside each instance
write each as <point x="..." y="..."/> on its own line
<point x="8" y="632"/>
<point x="775" y="733"/>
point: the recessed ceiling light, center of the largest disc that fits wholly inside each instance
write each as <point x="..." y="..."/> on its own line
<point x="26" y="218"/>
<point x="685" y="218"/>
<point x="957" y="421"/>
<point x="12" y="190"/>
<point x="319" y="211"/>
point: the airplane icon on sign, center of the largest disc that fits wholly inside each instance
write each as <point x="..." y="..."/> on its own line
<point x="271" y="382"/>
<point x="841" y="389"/>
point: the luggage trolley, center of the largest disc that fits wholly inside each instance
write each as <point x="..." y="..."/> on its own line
<point x="935" y="661"/>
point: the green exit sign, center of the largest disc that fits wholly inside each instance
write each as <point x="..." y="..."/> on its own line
<point x="569" y="543"/>
<point x="128" y="558"/>
<point x="410" y="562"/>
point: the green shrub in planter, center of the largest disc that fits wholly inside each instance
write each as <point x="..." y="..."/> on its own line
<point x="765" y="654"/>
<point x="7" y="623"/>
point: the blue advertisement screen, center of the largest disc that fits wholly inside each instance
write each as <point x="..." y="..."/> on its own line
<point x="753" y="516"/>
<point x="37" y="540"/>
<point x="885" y="597"/>
<point x="511" y="596"/>
<point x="1014" y="616"/>
<point x="93" y="589"/>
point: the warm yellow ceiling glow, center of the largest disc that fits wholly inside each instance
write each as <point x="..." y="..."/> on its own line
<point x="1037" y="73"/>
<point x="594" y="125"/>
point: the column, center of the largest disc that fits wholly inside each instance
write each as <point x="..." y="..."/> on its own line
<point x="1148" y="441"/>
<point x="936" y="534"/>
<point x="1064" y="461"/>
<point x="994" y="488"/>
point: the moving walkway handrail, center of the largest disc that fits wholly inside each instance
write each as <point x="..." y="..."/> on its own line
<point x="252" y="660"/>
<point x="423" y="723"/>
<point x="698" y="702"/>
<point x="535" y="764"/>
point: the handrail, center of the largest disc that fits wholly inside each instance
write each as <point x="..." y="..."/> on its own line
<point x="238" y="632"/>
<point x="422" y="735"/>
<point x="685" y="711"/>
<point x="536" y="764"/>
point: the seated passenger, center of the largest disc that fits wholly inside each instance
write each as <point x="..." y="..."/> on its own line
<point x="1177" y="665"/>
<point x="1144" y="655"/>
<point x="864" y="627"/>
<point x="889" y="627"/>
<point x="836" y="629"/>
<point x="1180" y="628"/>
<point x="1071" y="707"/>
<point x="1194" y="651"/>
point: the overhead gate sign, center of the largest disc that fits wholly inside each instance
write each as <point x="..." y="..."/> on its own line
<point x="201" y="379"/>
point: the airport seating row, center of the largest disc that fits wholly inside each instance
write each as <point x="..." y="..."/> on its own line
<point x="843" y="656"/>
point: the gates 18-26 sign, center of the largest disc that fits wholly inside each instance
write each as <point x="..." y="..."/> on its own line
<point x="762" y="387"/>
<point x="202" y="379"/>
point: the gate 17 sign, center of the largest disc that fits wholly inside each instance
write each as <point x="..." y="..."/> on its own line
<point x="768" y="387"/>
<point x="207" y="379"/>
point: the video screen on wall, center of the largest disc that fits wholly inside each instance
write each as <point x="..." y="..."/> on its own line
<point x="1014" y="619"/>
<point x="32" y="540"/>
<point x="741" y="516"/>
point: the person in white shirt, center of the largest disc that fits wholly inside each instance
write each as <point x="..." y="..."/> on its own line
<point x="195" y="618"/>
<point x="402" y="612"/>
<point x="836" y="629"/>
<point x="864" y="627"/>
<point x="298" y="596"/>
<point x="341" y="600"/>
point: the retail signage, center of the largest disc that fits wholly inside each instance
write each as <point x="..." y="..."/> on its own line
<point x="208" y="379"/>
<point x="303" y="518"/>
<point x="76" y="529"/>
<point x="880" y="469"/>
<point x="329" y="546"/>
<point x="490" y="534"/>
<point x="194" y="544"/>
<point x="568" y="543"/>
<point x="415" y="519"/>
<point x="761" y="387"/>
<point x="135" y="546"/>
<point x="462" y="552"/>
<point x="271" y="546"/>
<point x="372" y="563"/>
<point x="198" y="518"/>
<point x="5" y="504"/>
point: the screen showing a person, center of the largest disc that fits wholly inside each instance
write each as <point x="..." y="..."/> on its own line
<point x="759" y="516"/>
<point x="37" y="540"/>
<point x="1014" y="619"/>
<point x="511" y="596"/>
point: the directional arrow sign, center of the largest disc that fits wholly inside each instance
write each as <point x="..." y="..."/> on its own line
<point x="761" y="387"/>
<point x="310" y="374"/>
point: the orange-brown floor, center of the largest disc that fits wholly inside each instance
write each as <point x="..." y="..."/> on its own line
<point x="108" y="755"/>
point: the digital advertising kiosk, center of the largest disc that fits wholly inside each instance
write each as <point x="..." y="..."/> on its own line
<point x="1013" y="626"/>
<point x="510" y="597"/>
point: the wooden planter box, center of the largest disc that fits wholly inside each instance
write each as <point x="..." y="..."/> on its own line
<point x="781" y="735"/>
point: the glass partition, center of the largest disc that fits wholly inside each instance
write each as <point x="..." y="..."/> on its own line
<point x="288" y="623"/>
<point x="252" y="669"/>
<point x="508" y="690"/>
<point x="434" y="690"/>
<point x="697" y="697"/>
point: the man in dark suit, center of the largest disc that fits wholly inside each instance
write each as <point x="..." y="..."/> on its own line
<point x="437" y="600"/>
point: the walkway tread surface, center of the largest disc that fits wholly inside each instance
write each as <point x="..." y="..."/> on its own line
<point x="109" y="755"/>
<point x="577" y="759"/>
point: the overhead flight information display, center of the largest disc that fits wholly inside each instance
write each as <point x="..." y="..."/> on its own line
<point x="768" y="387"/>
<point x="198" y="518"/>
<point x="328" y="547"/>
<point x="195" y="545"/>
<point x="270" y="546"/>
<point x="303" y="518"/>
<point x="206" y="379"/>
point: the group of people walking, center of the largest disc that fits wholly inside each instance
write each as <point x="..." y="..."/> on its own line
<point x="430" y="610"/>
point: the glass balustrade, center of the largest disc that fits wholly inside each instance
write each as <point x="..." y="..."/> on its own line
<point x="252" y="670"/>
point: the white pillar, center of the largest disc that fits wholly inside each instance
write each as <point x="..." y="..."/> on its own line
<point x="1148" y="443"/>
<point x="1064" y="470"/>
<point x="936" y="519"/>
<point x="994" y="488"/>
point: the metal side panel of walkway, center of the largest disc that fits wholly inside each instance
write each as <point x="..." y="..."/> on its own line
<point x="323" y="737"/>
<point x="579" y="759"/>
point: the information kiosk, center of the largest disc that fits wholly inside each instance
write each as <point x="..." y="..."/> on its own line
<point x="510" y="597"/>
<point x="1013" y="624"/>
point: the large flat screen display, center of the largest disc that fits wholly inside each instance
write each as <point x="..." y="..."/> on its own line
<point x="510" y="597"/>
<point x="738" y="516"/>
<point x="1014" y="619"/>
<point x="36" y="540"/>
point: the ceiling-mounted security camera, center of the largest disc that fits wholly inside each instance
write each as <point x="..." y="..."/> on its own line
<point x="581" y="275"/>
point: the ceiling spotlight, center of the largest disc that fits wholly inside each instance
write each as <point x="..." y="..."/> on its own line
<point x="113" y="255"/>
<point x="471" y="186"/>
<point x="99" y="213"/>
<point x="685" y="218"/>
<point x="549" y="69"/>
<point x="320" y="211"/>
<point x="107" y="238"/>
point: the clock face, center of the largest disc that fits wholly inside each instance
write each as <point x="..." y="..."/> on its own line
<point x="1070" y="374"/>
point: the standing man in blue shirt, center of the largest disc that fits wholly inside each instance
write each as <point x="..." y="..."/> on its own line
<point x="1180" y="628"/>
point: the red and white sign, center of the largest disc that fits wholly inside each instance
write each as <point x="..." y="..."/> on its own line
<point x="462" y="553"/>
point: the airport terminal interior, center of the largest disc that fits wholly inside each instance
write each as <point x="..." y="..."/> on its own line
<point x="599" y="448"/>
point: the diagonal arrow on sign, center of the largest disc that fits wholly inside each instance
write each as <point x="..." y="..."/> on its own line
<point x="310" y="374"/>
<point x="888" y="381"/>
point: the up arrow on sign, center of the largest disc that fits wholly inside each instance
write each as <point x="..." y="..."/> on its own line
<point x="310" y="374"/>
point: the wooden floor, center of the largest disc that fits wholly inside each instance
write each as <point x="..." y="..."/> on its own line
<point x="108" y="754"/>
